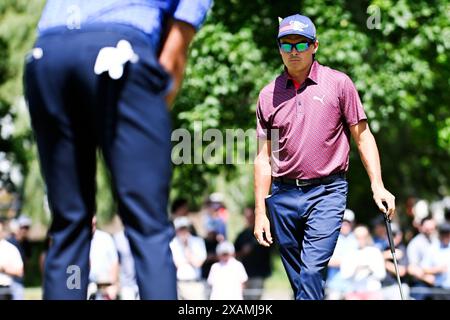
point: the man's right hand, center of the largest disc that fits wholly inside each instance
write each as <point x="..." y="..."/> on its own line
<point x="262" y="229"/>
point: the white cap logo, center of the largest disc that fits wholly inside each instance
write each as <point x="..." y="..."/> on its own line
<point x="297" y="25"/>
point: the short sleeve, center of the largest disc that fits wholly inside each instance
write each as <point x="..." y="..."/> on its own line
<point x="175" y="250"/>
<point x="192" y="11"/>
<point x="212" y="274"/>
<point x="199" y="249"/>
<point x="412" y="253"/>
<point x="15" y="258"/>
<point x="243" y="277"/>
<point x="262" y="126"/>
<point x="350" y="103"/>
<point x="112" y="250"/>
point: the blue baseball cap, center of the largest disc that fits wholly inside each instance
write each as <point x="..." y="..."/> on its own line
<point x="297" y="24"/>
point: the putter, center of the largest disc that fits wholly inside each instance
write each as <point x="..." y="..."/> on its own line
<point x="391" y="244"/>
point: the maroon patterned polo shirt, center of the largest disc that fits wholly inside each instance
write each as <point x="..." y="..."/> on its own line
<point x="312" y="123"/>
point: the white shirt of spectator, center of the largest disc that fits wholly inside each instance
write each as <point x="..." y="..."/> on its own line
<point x="438" y="257"/>
<point x="345" y="243"/>
<point x="185" y="270"/>
<point x="227" y="279"/>
<point x="127" y="269"/>
<point x="418" y="248"/>
<point x="365" y="268"/>
<point x="9" y="256"/>
<point x="103" y="256"/>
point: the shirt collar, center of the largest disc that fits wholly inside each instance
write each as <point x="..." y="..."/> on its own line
<point x="313" y="74"/>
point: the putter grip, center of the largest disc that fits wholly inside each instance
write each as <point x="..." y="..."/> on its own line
<point x="389" y="233"/>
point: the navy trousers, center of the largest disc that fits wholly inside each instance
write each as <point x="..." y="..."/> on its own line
<point x="306" y="223"/>
<point x="76" y="112"/>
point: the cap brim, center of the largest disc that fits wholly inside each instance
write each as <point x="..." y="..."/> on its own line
<point x="299" y="33"/>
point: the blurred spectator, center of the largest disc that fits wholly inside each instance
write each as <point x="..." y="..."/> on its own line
<point x="389" y="283"/>
<point x="47" y="243"/>
<point x="336" y="285"/>
<point x="218" y="198"/>
<point x="420" y="211"/>
<point x="416" y="251"/>
<point x="127" y="274"/>
<point x="447" y="214"/>
<point x="437" y="262"/>
<point x="214" y="220"/>
<point x="20" y="229"/>
<point x="364" y="268"/>
<point x="104" y="265"/>
<point x="255" y="258"/>
<point x="211" y="243"/>
<point x="227" y="277"/>
<point x="11" y="265"/>
<point x="180" y="208"/>
<point x="189" y="253"/>
<point x="437" y="210"/>
<point x="380" y="239"/>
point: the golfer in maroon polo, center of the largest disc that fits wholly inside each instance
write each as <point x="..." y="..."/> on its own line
<point x="304" y="121"/>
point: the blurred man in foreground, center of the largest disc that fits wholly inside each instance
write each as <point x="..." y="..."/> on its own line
<point x="101" y="77"/>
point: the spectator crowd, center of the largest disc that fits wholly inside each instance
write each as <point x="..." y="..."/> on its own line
<point x="211" y="266"/>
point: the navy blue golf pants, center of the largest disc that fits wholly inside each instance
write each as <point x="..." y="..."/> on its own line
<point x="74" y="113"/>
<point x="306" y="223"/>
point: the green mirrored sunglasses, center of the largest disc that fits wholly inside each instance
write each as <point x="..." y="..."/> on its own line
<point x="299" y="46"/>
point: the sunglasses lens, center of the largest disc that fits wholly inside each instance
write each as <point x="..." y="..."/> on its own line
<point x="301" y="46"/>
<point x="286" y="47"/>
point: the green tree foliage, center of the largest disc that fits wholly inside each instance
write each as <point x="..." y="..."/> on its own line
<point x="18" y="20"/>
<point x="224" y="75"/>
<point x="400" y="65"/>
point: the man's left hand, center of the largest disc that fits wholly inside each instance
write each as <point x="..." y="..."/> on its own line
<point x="382" y="196"/>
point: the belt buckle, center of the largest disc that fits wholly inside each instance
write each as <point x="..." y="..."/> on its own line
<point x="300" y="183"/>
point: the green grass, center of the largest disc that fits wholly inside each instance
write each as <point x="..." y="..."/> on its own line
<point x="278" y="280"/>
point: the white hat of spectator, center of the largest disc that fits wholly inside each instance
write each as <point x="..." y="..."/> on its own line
<point x="225" y="247"/>
<point x="181" y="222"/>
<point x="216" y="197"/>
<point x="420" y="210"/>
<point x="14" y="225"/>
<point x="24" y="221"/>
<point x="349" y="215"/>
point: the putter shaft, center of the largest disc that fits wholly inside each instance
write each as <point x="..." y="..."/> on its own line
<point x="392" y="247"/>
